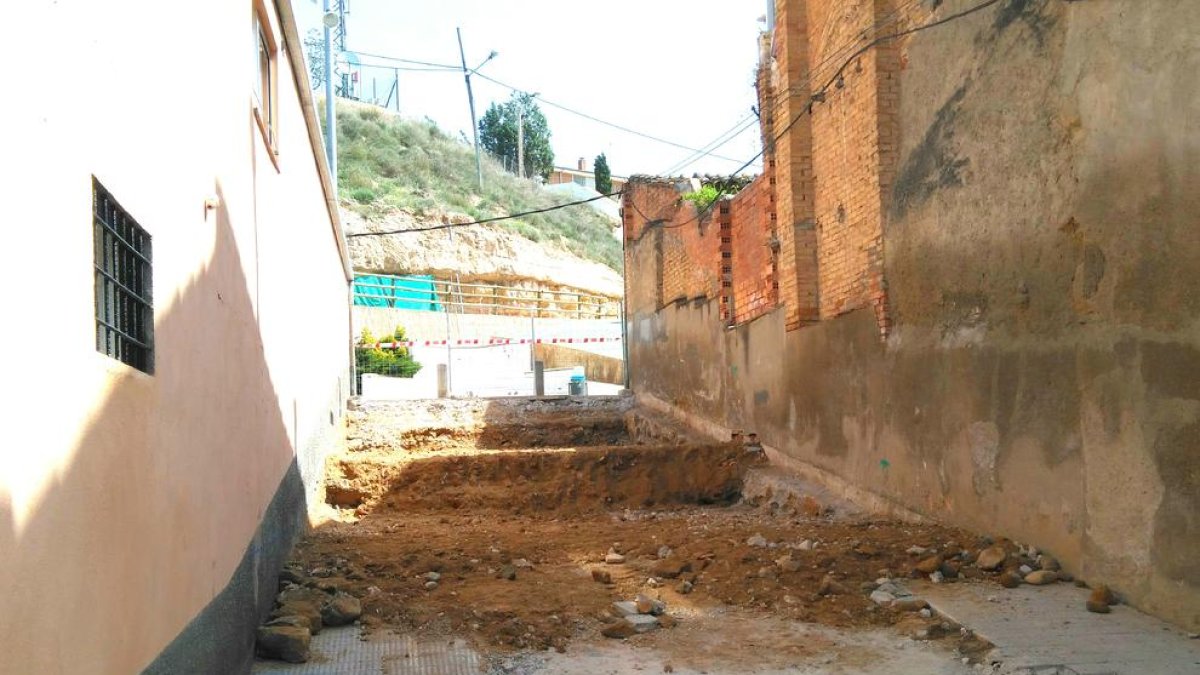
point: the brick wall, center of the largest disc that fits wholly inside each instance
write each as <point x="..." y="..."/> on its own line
<point x="752" y="217"/>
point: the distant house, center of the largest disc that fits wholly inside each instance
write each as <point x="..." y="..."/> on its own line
<point x="176" y="343"/>
<point x="581" y="176"/>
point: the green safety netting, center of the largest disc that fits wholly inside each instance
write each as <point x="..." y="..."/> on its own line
<point x="407" y="292"/>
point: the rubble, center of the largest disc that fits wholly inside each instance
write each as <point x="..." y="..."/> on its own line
<point x="283" y="641"/>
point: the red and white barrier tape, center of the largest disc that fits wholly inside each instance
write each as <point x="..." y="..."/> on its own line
<point x="494" y="341"/>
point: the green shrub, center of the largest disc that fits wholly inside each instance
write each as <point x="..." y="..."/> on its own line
<point x="362" y="195"/>
<point x="704" y="197"/>
<point x="392" y="362"/>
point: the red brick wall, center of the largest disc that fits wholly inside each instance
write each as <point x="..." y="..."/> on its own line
<point x="752" y="227"/>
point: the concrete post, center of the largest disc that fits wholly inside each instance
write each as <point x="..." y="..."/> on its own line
<point x="443" y="385"/>
<point x="539" y="378"/>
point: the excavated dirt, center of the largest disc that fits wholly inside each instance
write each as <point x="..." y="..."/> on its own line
<point x="513" y="537"/>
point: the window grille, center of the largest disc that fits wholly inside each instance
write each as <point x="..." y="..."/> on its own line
<point x="124" y="306"/>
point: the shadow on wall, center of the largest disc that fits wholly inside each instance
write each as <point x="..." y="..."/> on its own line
<point x="163" y="493"/>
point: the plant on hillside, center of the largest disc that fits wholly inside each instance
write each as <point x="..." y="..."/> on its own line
<point x="396" y="362"/>
<point x="498" y="135"/>
<point x="603" y="175"/>
<point x="386" y="163"/>
<point x="314" y="53"/>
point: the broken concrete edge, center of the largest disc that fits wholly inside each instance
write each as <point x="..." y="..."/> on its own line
<point x="870" y="502"/>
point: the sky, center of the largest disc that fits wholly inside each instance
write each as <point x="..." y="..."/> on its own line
<point x="678" y="70"/>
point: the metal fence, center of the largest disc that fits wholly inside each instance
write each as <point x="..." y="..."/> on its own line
<point x="423" y="292"/>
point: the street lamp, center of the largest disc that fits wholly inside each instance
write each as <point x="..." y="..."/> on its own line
<point x="471" y="101"/>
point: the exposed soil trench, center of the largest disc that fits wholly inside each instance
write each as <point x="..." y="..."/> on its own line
<point x="513" y="506"/>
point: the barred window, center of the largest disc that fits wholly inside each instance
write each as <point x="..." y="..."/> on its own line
<point x="124" y="306"/>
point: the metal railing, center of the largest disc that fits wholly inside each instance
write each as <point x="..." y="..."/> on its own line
<point x="470" y="298"/>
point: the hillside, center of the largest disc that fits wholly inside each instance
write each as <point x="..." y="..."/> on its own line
<point x="395" y="173"/>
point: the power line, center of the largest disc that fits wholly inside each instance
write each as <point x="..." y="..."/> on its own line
<point x="604" y="122"/>
<point x="413" y="61"/>
<point x="817" y="98"/>
<point x="447" y="226"/>
<point x="728" y="135"/>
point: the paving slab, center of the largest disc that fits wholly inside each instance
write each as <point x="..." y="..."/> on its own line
<point x="339" y="651"/>
<point x="1045" y="630"/>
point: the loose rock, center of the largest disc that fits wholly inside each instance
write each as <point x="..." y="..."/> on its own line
<point x="667" y="621"/>
<point x="787" y="563"/>
<point x="430" y="585"/>
<point x="757" y="540"/>
<point x="624" y="608"/>
<point x="286" y="643"/>
<point x="910" y="604"/>
<point x="830" y="586"/>
<point x="1010" y="580"/>
<point x="991" y="558"/>
<point x="614" y="558"/>
<point x="341" y="610"/>
<point x="684" y="587"/>
<point x="1041" y="577"/>
<point x="1098" y="607"/>
<point x="619" y="630"/>
<point x="882" y="598"/>
<point x="309" y="611"/>
<point x="664" y="551"/>
<point x="643" y="623"/>
<point x="508" y="572"/>
<point x="929" y="565"/>
<point x="1049" y="564"/>
<point x="602" y="576"/>
<point x="671" y="568"/>
<point x="1103" y="594"/>
<point x="433" y="576"/>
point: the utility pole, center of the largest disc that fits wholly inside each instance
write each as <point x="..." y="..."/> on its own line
<point x="521" y="142"/>
<point x="329" y="20"/>
<point x="471" y="101"/>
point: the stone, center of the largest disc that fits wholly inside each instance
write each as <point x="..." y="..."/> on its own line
<point x="1103" y="594"/>
<point x="787" y="563"/>
<point x="937" y="577"/>
<point x="910" y="604"/>
<point x="664" y="551"/>
<point x="430" y="585"/>
<point x="831" y="586"/>
<point x="601" y="576"/>
<point x="291" y="576"/>
<point x="619" y="630"/>
<point x="868" y="586"/>
<point x="1041" y="577"/>
<point x="1010" y="580"/>
<point x="624" y="608"/>
<point x="667" y="621"/>
<point x="806" y="545"/>
<point x="521" y="563"/>
<point x="614" y="558"/>
<point x="1048" y="563"/>
<point x="949" y="569"/>
<point x="286" y="643"/>
<point x="508" y="572"/>
<point x="882" y="598"/>
<point x="929" y="565"/>
<point x="310" y="611"/>
<point x="991" y="558"/>
<point x="433" y="576"/>
<point x="1025" y="570"/>
<point x="684" y="587"/>
<point x="1098" y="607"/>
<point x="342" y="609"/>
<point x="670" y="568"/>
<point x="757" y="540"/>
<point x="926" y="613"/>
<point x="643" y="623"/>
<point x="653" y="582"/>
<point x="296" y="621"/>
<point x="916" y="550"/>
<point x="643" y="603"/>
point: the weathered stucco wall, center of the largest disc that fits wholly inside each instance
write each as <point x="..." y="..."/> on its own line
<point x="1040" y="376"/>
<point x="144" y="517"/>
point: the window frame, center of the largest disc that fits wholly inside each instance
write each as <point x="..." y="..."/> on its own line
<point x="123" y="277"/>
<point x="265" y="92"/>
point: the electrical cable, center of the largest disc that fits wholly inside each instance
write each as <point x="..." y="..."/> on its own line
<point x="816" y="98"/>
<point x="600" y="121"/>
<point x="728" y="135"/>
<point x="447" y="226"/>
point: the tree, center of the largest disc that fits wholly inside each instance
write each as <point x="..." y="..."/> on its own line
<point x="314" y="52"/>
<point x="498" y="135"/>
<point x="603" y="175"/>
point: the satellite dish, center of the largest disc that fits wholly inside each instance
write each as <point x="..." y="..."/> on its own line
<point x="330" y="20"/>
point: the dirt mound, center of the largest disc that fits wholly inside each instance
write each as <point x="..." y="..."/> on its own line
<point x="570" y="480"/>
